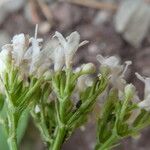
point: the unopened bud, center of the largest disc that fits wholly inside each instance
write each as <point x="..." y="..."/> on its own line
<point x="129" y="91"/>
<point x="37" y="109"/>
<point x="48" y="74"/>
<point x="88" y="68"/>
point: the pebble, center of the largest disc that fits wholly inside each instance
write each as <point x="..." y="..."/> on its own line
<point x="102" y="17"/>
<point x="132" y="20"/>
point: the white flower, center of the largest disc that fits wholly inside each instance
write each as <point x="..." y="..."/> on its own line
<point x="115" y="69"/>
<point x="38" y="58"/>
<point x="5" y="58"/>
<point x="20" y="44"/>
<point x="56" y="53"/>
<point x="59" y="58"/>
<point x="70" y="46"/>
<point x="110" y="62"/>
<point x="146" y="102"/>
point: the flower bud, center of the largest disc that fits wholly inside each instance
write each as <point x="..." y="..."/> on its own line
<point x="48" y="74"/>
<point x="37" y="109"/>
<point x="88" y="68"/>
<point x="129" y="91"/>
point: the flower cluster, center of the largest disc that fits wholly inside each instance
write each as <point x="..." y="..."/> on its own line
<point x="43" y="82"/>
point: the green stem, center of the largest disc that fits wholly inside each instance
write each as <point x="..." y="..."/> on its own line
<point x="68" y="77"/>
<point x="12" y="143"/>
<point x="12" y="137"/>
<point x="59" y="139"/>
<point x="61" y="129"/>
<point x="43" y="126"/>
<point x="107" y="145"/>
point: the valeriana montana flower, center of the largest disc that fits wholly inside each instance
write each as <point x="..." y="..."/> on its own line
<point x="110" y="62"/>
<point x="115" y="70"/>
<point x="69" y="45"/>
<point x="146" y="102"/>
<point x="20" y="44"/>
<point x="59" y="58"/>
<point x="29" y="60"/>
<point x="5" y="58"/>
<point x="84" y="81"/>
<point x="40" y="59"/>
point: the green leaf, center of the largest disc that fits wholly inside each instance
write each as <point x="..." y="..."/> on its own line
<point x="22" y="124"/>
<point x="1" y="101"/>
<point x="3" y="139"/>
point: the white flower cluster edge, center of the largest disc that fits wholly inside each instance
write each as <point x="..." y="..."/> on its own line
<point x="26" y="54"/>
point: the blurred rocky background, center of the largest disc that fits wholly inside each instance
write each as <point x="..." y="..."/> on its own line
<point x="113" y="27"/>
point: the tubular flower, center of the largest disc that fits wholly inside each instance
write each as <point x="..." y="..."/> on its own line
<point x="116" y="71"/>
<point x="69" y="46"/>
<point x="5" y="58"/>
<point x="20" y="44"/>
<point x="28" y="60"/>
<point x="146" y="102"/>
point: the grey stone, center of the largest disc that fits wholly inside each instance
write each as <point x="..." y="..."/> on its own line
<point x="133" y="21"/>
<point x="102" y="17"/>
<point x="124" y="13"/>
